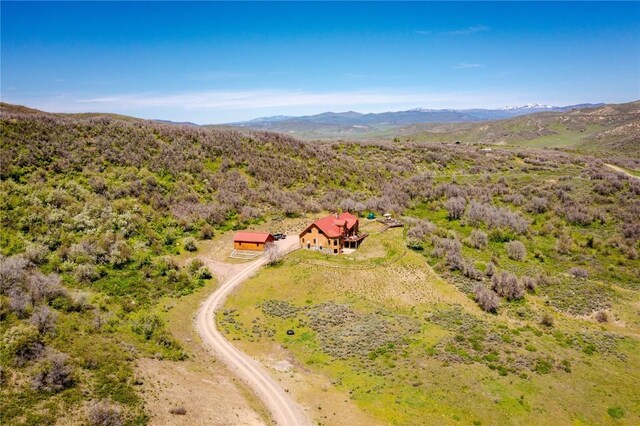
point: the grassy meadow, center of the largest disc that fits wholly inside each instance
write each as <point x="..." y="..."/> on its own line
<point x="397" y="331"/>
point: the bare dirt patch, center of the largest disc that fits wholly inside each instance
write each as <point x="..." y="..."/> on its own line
<point x="207" y="396"/>
<point x="204" y="388"/>
<point x="331" y="406"/>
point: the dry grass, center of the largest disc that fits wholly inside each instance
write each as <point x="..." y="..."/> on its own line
<point x="205" y="391"/>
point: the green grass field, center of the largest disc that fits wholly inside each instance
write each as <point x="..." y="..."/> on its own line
<point x="409" y="348"/>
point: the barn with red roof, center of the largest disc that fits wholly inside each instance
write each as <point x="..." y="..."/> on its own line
<point x="332" y="234"/>
<point x="249" y="240"/>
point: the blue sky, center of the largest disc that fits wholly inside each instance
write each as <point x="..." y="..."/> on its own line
<point x="222" y="62"/>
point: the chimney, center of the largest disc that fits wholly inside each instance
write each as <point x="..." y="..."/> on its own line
<point x="337" y="215"/>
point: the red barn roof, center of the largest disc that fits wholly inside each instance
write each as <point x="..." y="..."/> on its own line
<point x="252" y="237"/>
<point x="332" y="225"/>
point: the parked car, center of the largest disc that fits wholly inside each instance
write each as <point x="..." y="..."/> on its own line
<point x="279" y="236"/>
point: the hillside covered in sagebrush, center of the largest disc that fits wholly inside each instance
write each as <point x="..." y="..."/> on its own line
<point x="94" y="207"/>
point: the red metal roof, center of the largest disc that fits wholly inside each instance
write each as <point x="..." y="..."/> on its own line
<point x="252" y="237"/>
<point x="332" y="225"/>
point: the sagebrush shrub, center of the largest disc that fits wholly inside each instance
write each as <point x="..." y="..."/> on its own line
<point x="564" y="244"/>
<point x="190" y="244"/>
<point x="469" y="270"/>
<point x="478" y="239"/>
<point x="538" y="205"/>
<point x="507" y="285"/>
<point x="516" y="250"/>
<point x="44" y="319"/>
<point x="529" y="283"/>
<point x="486" y="299"/>
<point x="104" y="413"/>
<point x="53" y="374"/>
<point x="547" y="320"/>
<point x="602" y="316"/>
<point x="22" y="343"/>
<point x="455" y="207"/>
<point x="490" y="270"/>
<point x="579" y="272"/>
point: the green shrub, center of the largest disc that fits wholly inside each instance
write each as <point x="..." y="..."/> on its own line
<point x="194" y="265"/>
<point x="190" y="244"/>
<point x="22" y="343"/>
<point x="616" y="412"/>
<point x="543" y="366"/>
<point x="146" y="325"/>
<point x="203" y="273"/>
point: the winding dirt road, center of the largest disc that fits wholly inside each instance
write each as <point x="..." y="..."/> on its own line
<point x="621" y="170"/>
<point x="285" y="411"/>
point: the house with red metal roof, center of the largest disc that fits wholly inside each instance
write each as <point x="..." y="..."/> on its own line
<point x="255" y="241"/>
<point x="332" y="234"/>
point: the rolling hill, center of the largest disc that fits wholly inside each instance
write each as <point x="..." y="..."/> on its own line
<point x="354" y="124"/>
<point x="612" y="127"/>
<point x="516" y="273"/>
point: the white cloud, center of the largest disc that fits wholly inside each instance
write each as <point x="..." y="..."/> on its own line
<point x="214" y="75"/>
<point x="470" y="30"/>
<point x="227" y="106"/>
<point x="466" y="66"/>
<point x="251" y="99"/>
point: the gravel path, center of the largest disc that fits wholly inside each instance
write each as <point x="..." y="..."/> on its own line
<point x="285" y="411"/>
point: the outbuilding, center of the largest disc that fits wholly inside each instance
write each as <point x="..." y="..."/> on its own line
<point x="255" y="241"/>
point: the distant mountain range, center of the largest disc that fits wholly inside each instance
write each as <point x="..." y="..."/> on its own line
<point x="350" y="122"/>
<point x="412" y="116"/>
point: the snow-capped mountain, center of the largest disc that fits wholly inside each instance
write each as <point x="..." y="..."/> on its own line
<point x="369" y="121"/>
<point x="529" y="107"/>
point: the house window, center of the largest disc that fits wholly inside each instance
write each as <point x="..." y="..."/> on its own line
<point x="314" y="241"/>
<point x="309" y="231"/>
<point x="303" y="241"/>
<point x="335" y="242"/>
<point x="335" y="251"/>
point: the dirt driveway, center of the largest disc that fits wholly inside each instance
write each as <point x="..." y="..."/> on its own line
<point x="284" y="410"/>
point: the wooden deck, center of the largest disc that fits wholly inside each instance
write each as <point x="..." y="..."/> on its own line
<point x="245" y="254"/>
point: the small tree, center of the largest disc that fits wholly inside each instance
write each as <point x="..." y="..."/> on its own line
<point x="272" y="254"/>
<point x="195" y="265"/>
